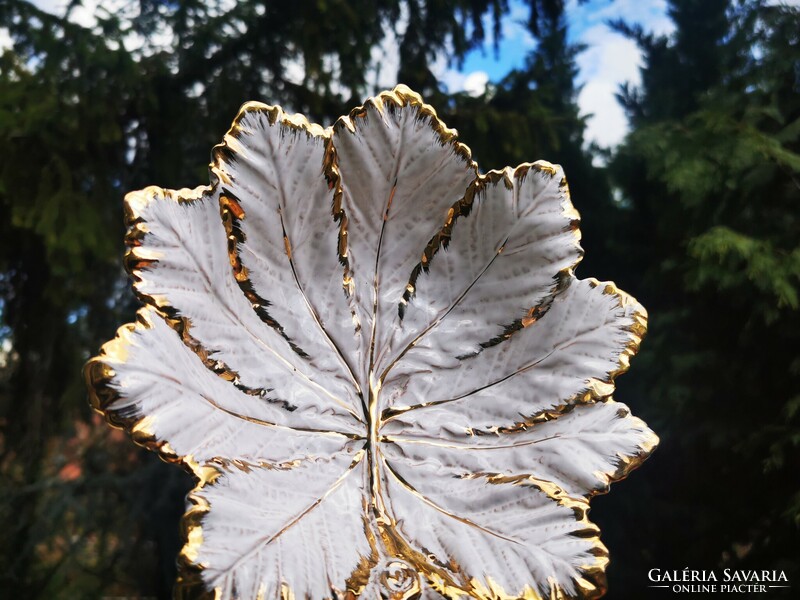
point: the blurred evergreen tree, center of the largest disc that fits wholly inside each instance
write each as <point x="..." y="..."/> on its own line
<point x="709" y="178"/>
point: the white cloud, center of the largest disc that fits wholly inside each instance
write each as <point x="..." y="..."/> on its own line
<point x="475" y="83"/>
<point x="608" y="124"/>
<point x="386" y="56"/>
<point x="452" y="79"/>
<point x="295" y="71"/>
<point x="650" y="13"/>
<point x="55" y="7"/>
<point x="82" y="13"/>
<point x="610" y="60"/>
<point x="515" y="28"/>
<point x="5" y="39"/>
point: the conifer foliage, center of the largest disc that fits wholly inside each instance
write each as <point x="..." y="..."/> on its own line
<point x="710" y="177"/>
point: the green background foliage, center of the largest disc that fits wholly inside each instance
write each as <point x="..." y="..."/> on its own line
<point x="695" y="213"/>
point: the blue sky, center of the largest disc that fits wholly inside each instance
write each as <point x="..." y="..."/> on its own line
<point x="608" y="61"/>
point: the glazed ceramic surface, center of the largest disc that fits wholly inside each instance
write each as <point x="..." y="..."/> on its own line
<point x="377" y="362"/>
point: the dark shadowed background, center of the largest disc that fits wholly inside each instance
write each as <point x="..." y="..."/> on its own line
<point x="695" y="213"/>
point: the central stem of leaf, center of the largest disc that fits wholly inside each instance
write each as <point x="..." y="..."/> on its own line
<point x="373" y="421"/>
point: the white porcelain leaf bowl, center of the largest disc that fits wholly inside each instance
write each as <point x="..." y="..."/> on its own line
<point x="377" y="362"/>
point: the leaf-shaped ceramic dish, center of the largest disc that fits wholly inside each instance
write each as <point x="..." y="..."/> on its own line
<point x="378" y="364"/>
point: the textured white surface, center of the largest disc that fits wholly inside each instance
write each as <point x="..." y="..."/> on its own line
<point x="418" y="383"/>
<point x="541" y="367"/>
<point x="399" y="178"/>
<point x="510" y="532"/>
<point x="576" y="451"/>
<point x="276" y="176"/>
<point x="303" y="529"/>
<point x="204" y="416"/>
<point x="501" y="261"/>
<point x="192" y="275"/>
